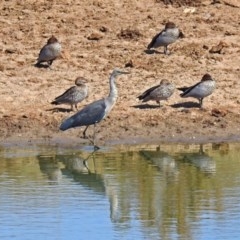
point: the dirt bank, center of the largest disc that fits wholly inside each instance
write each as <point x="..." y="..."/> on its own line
<point x="97" y="36"/>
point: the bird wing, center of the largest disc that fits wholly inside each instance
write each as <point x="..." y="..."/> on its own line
<point x="44" y="53"/>
<point x="91" y="114"/>
<point x="47" y="53"/>
<point x="42" y="50"/>
<point x="147" y="92"/>
<point x="151" y="44"/>
<point x="183" y="89"/>
<point x="65" y="95"/>
<point x="186" y="90"/>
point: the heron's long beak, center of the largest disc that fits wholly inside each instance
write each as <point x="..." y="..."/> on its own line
<point x="122" y="72"/>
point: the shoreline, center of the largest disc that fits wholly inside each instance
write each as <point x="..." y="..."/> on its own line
<point x="103" y="38"/>
<point x="76" y="142"/>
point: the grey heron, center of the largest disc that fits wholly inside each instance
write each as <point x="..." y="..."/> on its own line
<point x="95" y="111"/>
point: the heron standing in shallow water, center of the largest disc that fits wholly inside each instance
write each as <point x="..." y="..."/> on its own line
<point x="95" y="111"/>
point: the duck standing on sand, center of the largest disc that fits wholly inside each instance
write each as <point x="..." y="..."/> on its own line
<point x="167" y="36"/>
<point x="49" y="52"/>
<point x="200" y="90"/>
<point x="73" y="95"/>
<point x="162" y="91"/>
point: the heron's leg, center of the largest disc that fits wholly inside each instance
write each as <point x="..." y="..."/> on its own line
<point x="86" y="165"/>
<point x="95" y="147"/>
<point x="76" y="106"/>
<point x="84" y="132"/>
<point x="200" y="102"/>
<point x="85" y="162"/>
<point x="165" y="50"/>
<point x="94" y="135"/>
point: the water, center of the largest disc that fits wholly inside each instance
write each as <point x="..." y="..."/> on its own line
<point x="141" y="192"/>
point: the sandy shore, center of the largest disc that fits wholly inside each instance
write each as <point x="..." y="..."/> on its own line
<point x="96" y="37"/>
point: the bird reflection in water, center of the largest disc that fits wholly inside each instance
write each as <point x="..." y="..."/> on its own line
<point x="50" y="166"/>
<point x="88" y="175"/>
<point x="76" y="164"/>
<point x="53" y="166"/>
<point x="201" y="160"/>
<point x="165" y="163"/>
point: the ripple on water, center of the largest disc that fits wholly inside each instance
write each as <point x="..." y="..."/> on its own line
<point x="162" y="192"/>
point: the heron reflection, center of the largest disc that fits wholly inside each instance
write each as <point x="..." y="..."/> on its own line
<point x="87" y="173"/>
<point x="74" y="166"/>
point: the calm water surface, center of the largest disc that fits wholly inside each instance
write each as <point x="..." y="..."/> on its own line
<point x="141" y="192"/>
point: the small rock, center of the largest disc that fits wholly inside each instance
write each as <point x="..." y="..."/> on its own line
<point x="129" y="34"/>
<point x="129" y="64"/>
<point x="218" y="112"/>
<point x="95" y="36"/>
<point x="218" y="49"/>
<point x="205" y="47"/>
<point x="11" y="51"/>
<point x="189" y="10"/>
<point x="103" y="29"/>
<point x="150" y="17"/>
<point x="228" y="33"/>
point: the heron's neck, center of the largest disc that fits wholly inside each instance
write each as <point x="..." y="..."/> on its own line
<point x="113" y="89"/>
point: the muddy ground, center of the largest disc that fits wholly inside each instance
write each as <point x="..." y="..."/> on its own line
<point x="96" y="37"/>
